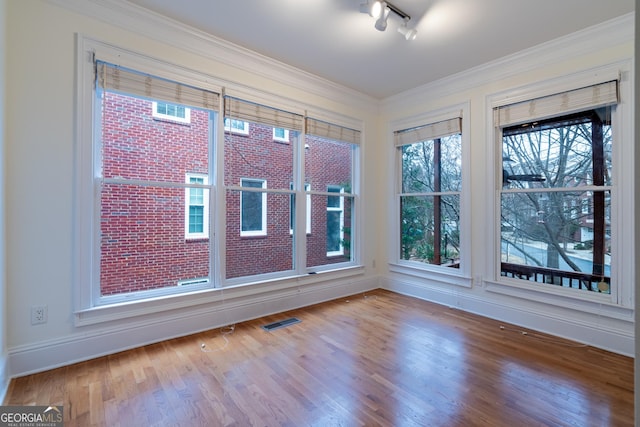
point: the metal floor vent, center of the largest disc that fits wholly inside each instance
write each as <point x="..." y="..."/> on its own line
<point x="281" y="324"/>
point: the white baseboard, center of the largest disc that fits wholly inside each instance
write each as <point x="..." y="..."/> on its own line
<point x="28" y="359"/>
<point x="608" y="334"/>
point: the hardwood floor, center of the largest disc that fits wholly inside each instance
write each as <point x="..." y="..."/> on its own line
<point x="376" y="359"/>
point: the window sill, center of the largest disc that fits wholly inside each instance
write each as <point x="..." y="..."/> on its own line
<point x="202" y="299"/>
<point x="446" y="275"/>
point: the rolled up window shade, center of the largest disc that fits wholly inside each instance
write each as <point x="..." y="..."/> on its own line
<point x="589" y="97"/>
<point x="122" y="80"/>
<point x="239" y="109"/>
<point x="332" y="131"/>
<point x="428" y="132"/>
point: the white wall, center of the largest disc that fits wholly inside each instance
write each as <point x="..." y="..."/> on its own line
<point x="558" y="62"/>
<point x="40" y="178"/>
<point x="4" y="374"/>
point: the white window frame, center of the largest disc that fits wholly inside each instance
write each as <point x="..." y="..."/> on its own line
<point x="187" y="204"/>
<point x="622" y="220"/>
<point x="263" y="229"/>
<point x="339" y="208"/>
<point x="307" y="190"/>
<point x="237" y="130"/>
<point x="170" y="117"/>
<point x="284" y="138"/>
<point x="437" y="273"/>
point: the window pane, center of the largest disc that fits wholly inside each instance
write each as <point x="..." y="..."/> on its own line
<point x="142" y="242"/>
<point x="196" y="219"/>
<point x="573" y="151"/>
<point x="268" y="253"/>
<point x="432" y="166"/>
<point x="328" y="165"/>
<point x="256" y="155"/>
<point x="430" y="229"/>
<point x="329" y="241"/>
<point x="547" y="237"/>
<point x="134" y="146"/>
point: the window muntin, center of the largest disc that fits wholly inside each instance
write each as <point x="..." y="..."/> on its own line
<point x="196" y="207"/>
<point x="550" y="167"/>
<point x="253" y="208"/>
<point x="431" y="189"/>
<point x="173" y="112"/>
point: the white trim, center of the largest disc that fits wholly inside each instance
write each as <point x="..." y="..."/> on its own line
<point x="197" y="312"/>
<point x="590" y="323"/>
<point x="339" y="208"/>
<point x="284" y="138"/>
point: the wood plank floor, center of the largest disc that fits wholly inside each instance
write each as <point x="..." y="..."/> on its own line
<point x="379" y="359"/>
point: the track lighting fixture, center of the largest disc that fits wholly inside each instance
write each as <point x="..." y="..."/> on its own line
<point x="380" y="10"/>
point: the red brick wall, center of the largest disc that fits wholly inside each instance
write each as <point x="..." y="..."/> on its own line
<point x="143" y="244"/>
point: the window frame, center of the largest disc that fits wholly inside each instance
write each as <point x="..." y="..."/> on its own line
<point x="204" y="234"/>
<point x="284" y="138"/>
<point x="622" y="192"/>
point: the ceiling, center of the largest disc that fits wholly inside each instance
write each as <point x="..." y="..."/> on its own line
<point x="333" y="40"/>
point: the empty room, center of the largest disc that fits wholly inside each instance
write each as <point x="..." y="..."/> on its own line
<point x="327" y="213"/>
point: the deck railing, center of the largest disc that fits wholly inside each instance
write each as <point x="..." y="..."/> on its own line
<point x="570" y="279"/>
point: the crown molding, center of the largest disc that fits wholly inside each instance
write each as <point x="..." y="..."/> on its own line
<point x="136" y="19"/>
<point x="601" y="36"/>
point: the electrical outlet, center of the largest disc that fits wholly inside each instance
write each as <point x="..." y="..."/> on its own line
<point x="38" y="314"/>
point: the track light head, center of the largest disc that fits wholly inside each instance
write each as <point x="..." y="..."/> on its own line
<point x="408" y="33"/>
<point x="381" y="22"/>
<point x="377" y="9"/>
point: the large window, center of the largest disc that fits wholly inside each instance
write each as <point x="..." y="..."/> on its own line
<point x="430" y="193"/>
<point x="556" y="187"/>
<point x="173" y="198"/>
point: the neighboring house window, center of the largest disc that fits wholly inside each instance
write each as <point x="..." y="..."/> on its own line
<point x="557" y="152"/>
<point x="430" y="193"/>
<point x="196" y="208"/>
<point x="280" y="134"/>
<point x="335" y="221"/>
<point x="236" y="126"/>
<point x="173" y="112"/>
<point x="253" y="208"/>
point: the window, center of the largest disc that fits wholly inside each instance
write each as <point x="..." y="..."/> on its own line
<point x="253" y="208"/>
<point x="196" y="207"/>
<point x="430" y="193"/>
<point x="152" y="192"/>
<point x="236" y="126"/>
<point x="280" y="135"/>
<point x="160" y="215"/>
<point x="335" y="222"/>
<point x="330" y="165"/>
<point x="173" y="112"/>
<point x="557" y="154"/>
